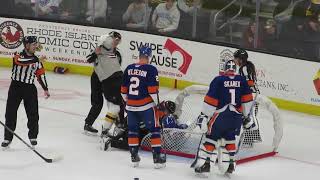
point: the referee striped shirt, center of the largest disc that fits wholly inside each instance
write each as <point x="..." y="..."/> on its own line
<point x="26" y="68"/>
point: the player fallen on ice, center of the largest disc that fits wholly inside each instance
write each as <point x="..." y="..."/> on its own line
<point x="119" y="137"/>
<point x="140" y="92"/>
<point x="229" y="99"/>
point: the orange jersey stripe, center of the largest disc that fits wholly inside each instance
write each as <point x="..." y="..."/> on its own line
<point x="212" y="101"/>
<point x="40" y="72"/>
<point x="124" y="89"/>
<point x="212" y="120"/>
<point x="209" y="147"/>
<point x="141" y="102"/>
<point x="155" y="141"/>
<point x="251" y="83"/>
<point x="246" y="98"/>
<point x="153" y="89"/>
<point x="240" y="109"/>
<point x="15" y="59"/>
<point x="133" y="141"/>
<point x="230" y="147"/>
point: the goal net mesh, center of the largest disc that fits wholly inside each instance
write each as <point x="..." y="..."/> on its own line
<point x="185" y="142"/>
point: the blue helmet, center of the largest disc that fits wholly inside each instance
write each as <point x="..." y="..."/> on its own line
<point x="145" y="51"/>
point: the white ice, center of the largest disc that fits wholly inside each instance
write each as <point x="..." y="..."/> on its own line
<point x="61" y="132"/>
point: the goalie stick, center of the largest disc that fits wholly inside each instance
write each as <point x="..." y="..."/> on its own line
<point x="48" y="160"/>
<point x="197" y="155"/>
<point x="242" y="134"/>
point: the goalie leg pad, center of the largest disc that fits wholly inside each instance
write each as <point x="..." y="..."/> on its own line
<point x="223" y="159"/>
<point x="207" y="151"/>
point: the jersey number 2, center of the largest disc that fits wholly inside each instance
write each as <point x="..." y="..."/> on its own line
<point x="134" y="84"/>
<point x="233" y="96"/>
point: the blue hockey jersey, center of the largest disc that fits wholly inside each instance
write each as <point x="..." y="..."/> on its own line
<point x="140" y="87"/>
<point x="228" y="91"/>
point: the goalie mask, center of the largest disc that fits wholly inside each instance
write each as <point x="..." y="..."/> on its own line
<point x="230" y="66"/>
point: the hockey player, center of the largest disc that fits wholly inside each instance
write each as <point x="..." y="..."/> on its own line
<point x="228" y="99"/>
<point x="140" y="92"/>
<point x="106" y="80"/>
<point x="119" y="138"/>
<point x="26" y="68"/>
<point x="167" y="117"/>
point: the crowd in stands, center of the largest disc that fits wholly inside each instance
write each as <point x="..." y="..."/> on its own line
<point x="293" y="30"/>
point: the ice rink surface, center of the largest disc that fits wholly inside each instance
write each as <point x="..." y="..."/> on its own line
<point x="61" y="132"/>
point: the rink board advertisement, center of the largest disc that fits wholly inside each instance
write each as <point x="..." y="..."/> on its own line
<point x="186" y="61"/>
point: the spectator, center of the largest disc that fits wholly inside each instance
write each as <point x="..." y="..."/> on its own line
<point x="186" y="20"/>
<point x="311" y="38"/>
<point x="46" y="8"/>
<point x="71" y="12"/>
<point x="292" y="32"/>
<point x="314" y="8"/>
<point x="248" y="36"/>
<point x="115" y="12"/>
<point x="270" y="38"/>
<point x="24" y="8"/>
<point x="166" y="17"/>
<point x="97" y="12"/>
<point x="137" y="14"/>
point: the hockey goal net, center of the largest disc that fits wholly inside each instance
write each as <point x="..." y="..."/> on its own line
<point x="252" y="144"/>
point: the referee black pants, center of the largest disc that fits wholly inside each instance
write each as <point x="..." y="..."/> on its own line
<point x="19" y="91"/>
<point x="110" y="89"/>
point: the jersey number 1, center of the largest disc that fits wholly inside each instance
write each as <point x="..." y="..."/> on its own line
<point x="134" y="84"/>
<point x="233" y="96"/>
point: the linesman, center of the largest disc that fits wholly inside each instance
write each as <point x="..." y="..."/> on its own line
<point x="26" y="68"/>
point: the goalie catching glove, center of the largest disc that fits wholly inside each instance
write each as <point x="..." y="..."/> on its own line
<point x="202" y="123"/>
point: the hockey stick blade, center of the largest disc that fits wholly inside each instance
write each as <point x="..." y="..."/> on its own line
<point x="30" y="147"/>
<point x="49" y="160"/>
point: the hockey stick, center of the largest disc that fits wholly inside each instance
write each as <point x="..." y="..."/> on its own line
<point x="242" y="134"/>
<point x="48" y="160"/>
<point x="161" y="129"/>
<point x="196" y="158"/>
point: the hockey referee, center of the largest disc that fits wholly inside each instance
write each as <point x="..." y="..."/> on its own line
<point x="26" y="67"/>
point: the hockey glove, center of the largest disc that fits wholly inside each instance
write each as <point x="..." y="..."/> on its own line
<point x="183" y="126"/>
<point x="92" y="57"/>
<point x="202" y="122"/>
<point x="248" y="123"/>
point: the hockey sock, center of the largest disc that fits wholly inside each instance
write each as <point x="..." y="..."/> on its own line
<point x="156" y="142"/>
<point x="109" y="120"/>
<point x="231" y="148"/>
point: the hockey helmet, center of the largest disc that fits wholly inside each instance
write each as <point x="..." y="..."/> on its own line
<point x="241" y="54"/>
<point x="115" y="34"/>
<point x="145" y="51"/>
<point x="29" y="39"/>
<point x="230" y="66"/>
<point x="170" y="106"/>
